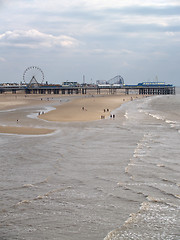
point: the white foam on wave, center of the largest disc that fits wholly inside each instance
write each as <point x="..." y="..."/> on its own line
<point x="141" y="110"/>
<point x="126" y="115"/>
<point x="161" y="222"/>
<point x="171" y="122"/>
<point x="157" y="116"/>
<point x="25" y="201"/>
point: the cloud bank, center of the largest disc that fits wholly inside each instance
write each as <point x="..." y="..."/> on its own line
<point x="99" y="38"/>
<point x="36" y="39"/>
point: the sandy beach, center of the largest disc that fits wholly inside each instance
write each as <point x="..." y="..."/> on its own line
<point x="81" y="108"/>
<point x="10" y="101"/>
<point x="87" y="108"/>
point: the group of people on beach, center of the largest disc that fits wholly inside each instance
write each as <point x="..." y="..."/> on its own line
<point x="106" y="110"/>
<point x="40" y="113"/>
<point x="112" y="116"/>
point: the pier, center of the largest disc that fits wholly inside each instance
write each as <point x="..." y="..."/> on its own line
<point x="88" y="89"/>
<point x="33" y="79"/>
<point x="33" y="83"/>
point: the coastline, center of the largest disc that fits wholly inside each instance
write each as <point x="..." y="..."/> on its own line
<point x="78" y="109"/>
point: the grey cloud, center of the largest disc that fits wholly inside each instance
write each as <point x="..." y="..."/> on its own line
<point x="100" y="15"/>
<point x="140" y="10"/>
<point x="111" y="19"/>
<point x="83" y="14"/>
<point x="144" y="28"/>
<point x="76" y="14"/>
<point x="102" y="36"/>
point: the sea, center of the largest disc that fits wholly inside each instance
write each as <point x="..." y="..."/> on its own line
<point x="111" y="179"/>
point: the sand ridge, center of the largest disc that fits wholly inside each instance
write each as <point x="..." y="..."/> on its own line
<point x="78" y="109"/>
<point x="24" y="130"/>
<point x="87" y="108"/>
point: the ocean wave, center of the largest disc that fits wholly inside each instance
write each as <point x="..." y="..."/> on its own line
<point x="158" y="116"/>
<point x="161" y="222"/>
<point x="25" y="201"/>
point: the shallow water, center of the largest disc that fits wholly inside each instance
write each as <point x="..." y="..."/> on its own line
<point x="107" y="179"/>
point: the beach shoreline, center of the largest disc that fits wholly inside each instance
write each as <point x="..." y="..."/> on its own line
<point x="75" y="109"/>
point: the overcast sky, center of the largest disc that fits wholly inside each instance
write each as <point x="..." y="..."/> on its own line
<point x="137" y="39"/>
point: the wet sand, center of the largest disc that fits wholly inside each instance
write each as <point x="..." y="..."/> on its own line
<point x="24" y="130"/>
<point x="11" y="101"/>
<point x="83" y="108"/>
<point x="87" y="108"/>
<point x="17" y="101"/>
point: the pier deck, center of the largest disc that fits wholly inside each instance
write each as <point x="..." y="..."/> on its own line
<point x="55" y="89"/>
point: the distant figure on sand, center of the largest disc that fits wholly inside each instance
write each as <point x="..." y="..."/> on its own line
<point x="112" y="116"/>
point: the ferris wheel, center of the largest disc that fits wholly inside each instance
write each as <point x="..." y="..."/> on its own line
<point x="33" y="76"/>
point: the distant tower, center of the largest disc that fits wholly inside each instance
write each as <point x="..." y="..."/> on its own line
<point x="83" y="79"/>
